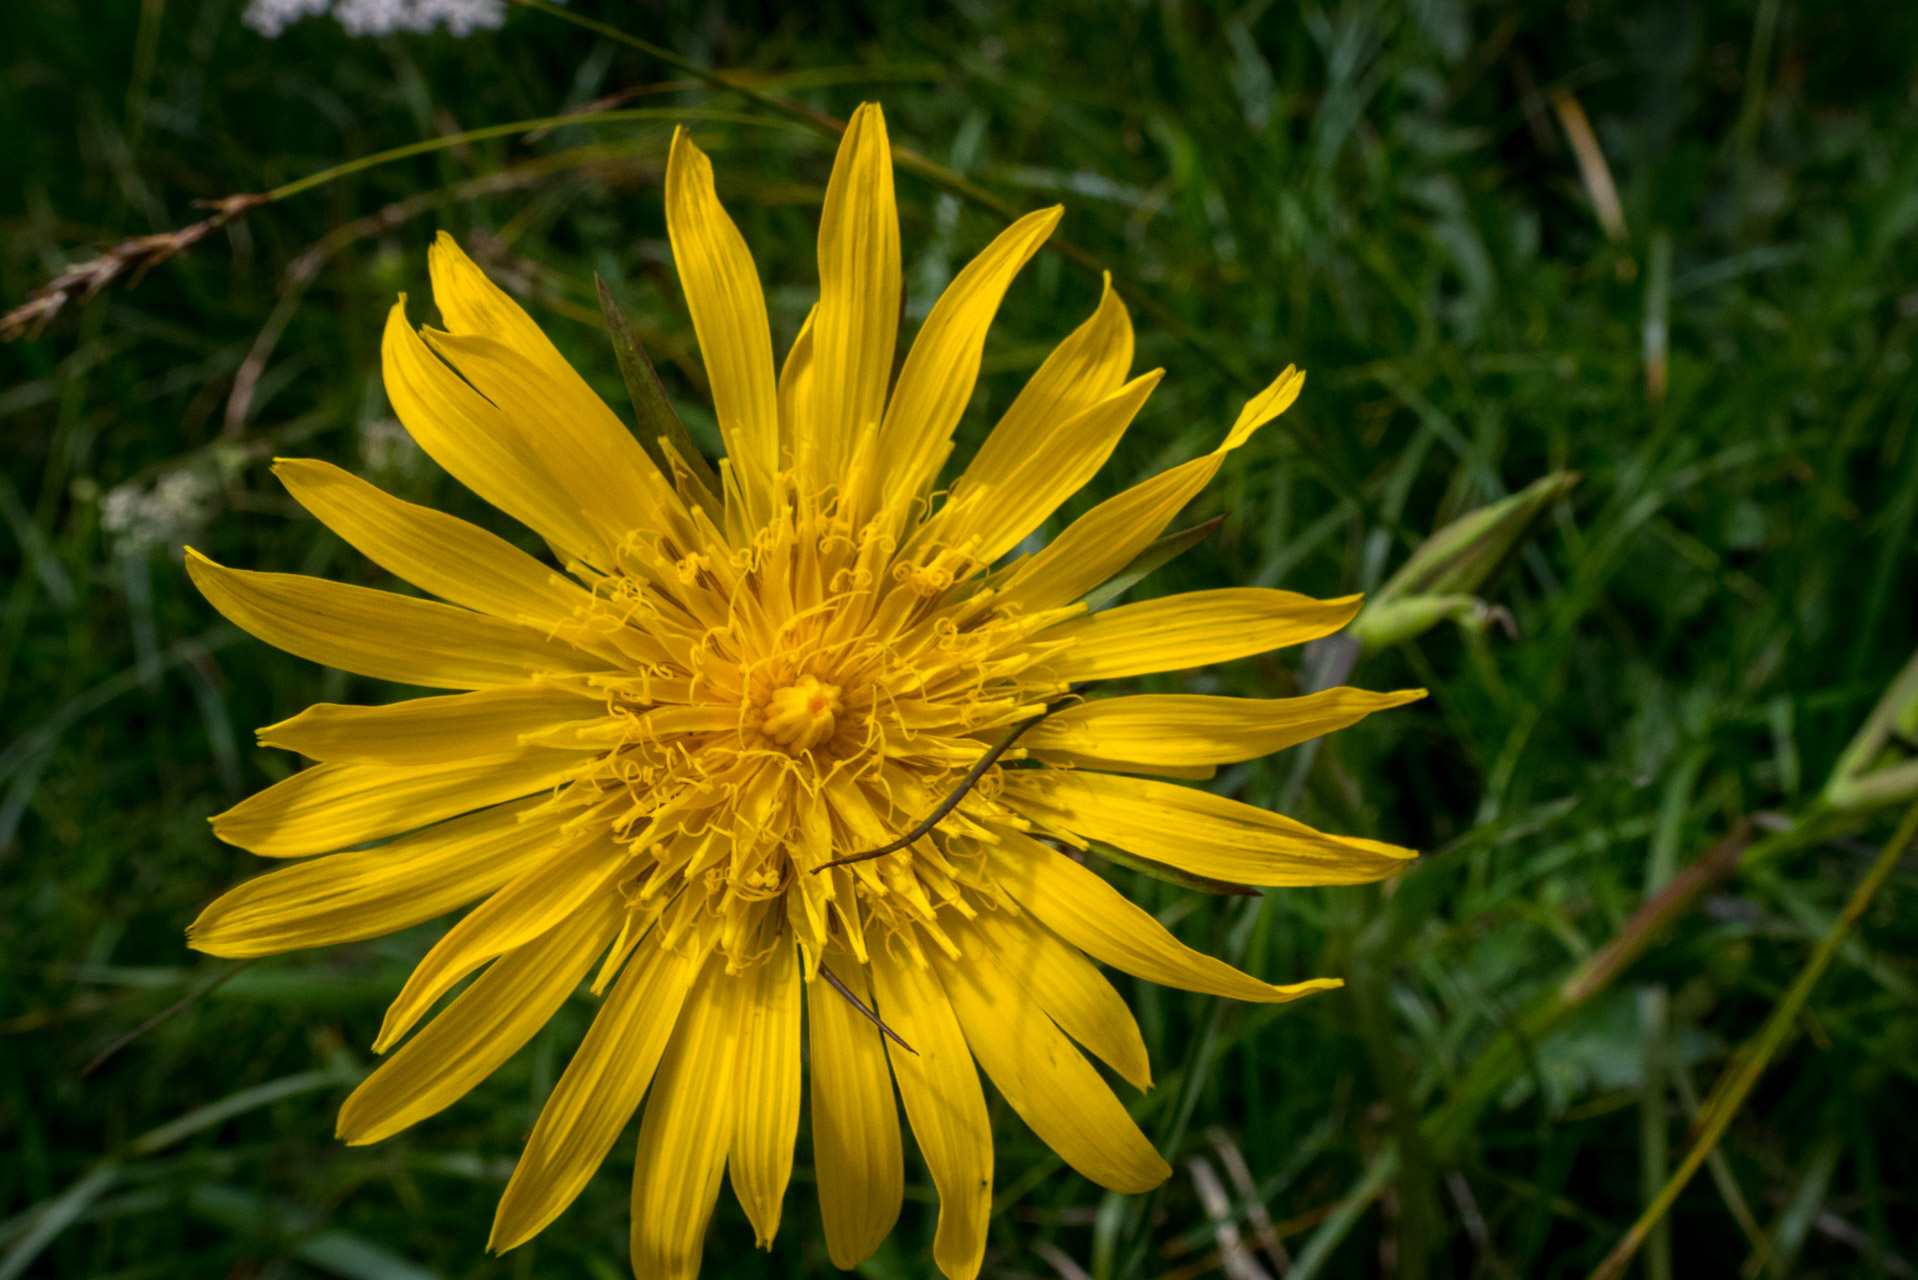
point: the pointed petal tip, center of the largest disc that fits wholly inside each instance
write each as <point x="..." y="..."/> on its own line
<point x="352" y="1137"/>
<point x="506" y="1237"/>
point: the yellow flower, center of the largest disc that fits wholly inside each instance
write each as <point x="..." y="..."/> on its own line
<point x="657" y="758"/>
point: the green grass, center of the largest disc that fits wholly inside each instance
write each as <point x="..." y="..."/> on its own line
<point x="1381" y="194"/>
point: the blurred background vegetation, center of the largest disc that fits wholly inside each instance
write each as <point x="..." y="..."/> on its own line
<point x="1666" y="245"/>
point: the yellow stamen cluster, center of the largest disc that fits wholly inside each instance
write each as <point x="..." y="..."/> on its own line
<point x="799" y="716"/>
<point x="812" y="693"/>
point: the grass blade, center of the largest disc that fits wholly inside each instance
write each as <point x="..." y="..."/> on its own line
<point x="1743" y="1073"/>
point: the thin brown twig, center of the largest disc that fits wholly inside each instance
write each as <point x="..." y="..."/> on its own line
<point x="200" y="992"/>
<point x="832" y="980"/>
<point x="82" y="281"/>
<point x="958" y="793"/>
<point x="1592" y="169"/>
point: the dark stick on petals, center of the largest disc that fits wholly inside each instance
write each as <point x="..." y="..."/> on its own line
<point x="951" y="802"/>
<point x="833" y="981"/>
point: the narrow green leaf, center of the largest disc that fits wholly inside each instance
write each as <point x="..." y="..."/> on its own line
<point x="661" y="433"/>
<point x="240" y="1103"/>
<point x="1164" y="551"/>
<point x="56" y="1215"/>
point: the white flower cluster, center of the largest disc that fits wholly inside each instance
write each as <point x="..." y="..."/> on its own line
<point x="138" y="518"/>
<point x="378" y="17"/>
<point x="387" y="450"/>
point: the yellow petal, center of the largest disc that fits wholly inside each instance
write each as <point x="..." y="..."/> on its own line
<point x="331" y="806"/>
<point x="1047" y="1081"/>
<point x="429" y="730"/>
<point x="687" y="1130"/>
<point x="728" y="309"/>
<point x="471" y="303"/>
<point x="1001" y="513"/>
<point x="1187" y="728"/>
<point x="767" y="1123"/>
<point x="855" y="1119"/>
<point x="937" y="379"/>
<point x="1087" y="367"/>
<point x="373" y="892"/>
<point x="596" y="1095"/>
<point x="1082" y="908"/>
<point x="1191" y="630"/>
<point x="857" y="324"/>
<point x="1075" y="760"/>
<point x="1198" y="831"/>
<point x="378" y="634"/>
<point x="796" y="394"/>
<point x="1264" y="407"/>
<point x="1071" y="990"/>
<point x="456" y="561"/>
<point x="584" y="445"/>
<point x="481" y="1029"/>
<point x="945" y="1104"/>
<point x="588" y="452"/>
<point x="1107" y="538"/>
<point x="539" y="898"/>
<point x="472" y="439"/>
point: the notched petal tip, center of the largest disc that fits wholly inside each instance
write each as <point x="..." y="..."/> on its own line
<point x="681" y="150"/>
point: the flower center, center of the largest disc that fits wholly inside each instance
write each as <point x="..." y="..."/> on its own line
<point x="799" y="716"/>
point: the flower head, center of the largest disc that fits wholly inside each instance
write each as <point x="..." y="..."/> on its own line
<point x="671" y="769"/>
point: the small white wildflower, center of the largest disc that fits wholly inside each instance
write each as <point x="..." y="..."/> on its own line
<point x="270" y="17"/>
<point x="379" y="17"/>
<point x="138" y="519"/>
<point x="387" y="449"/>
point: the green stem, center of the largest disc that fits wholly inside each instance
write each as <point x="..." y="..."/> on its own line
<point x="939" y="175"/>
<point x="1654" y="1151"/>
<point x="325" y="176"/>
<point x="1451" y="1126"/>
<point x="1418" y="1219"/>
<point x="1736" y="1084"/>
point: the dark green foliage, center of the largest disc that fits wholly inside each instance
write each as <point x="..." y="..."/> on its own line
<point x="1381" y="194"/>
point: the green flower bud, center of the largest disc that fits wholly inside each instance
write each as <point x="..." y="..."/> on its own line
<point x="1880" y="767"/>
<point x="1438" y="581"/>
<point x="1380" y="626"/>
